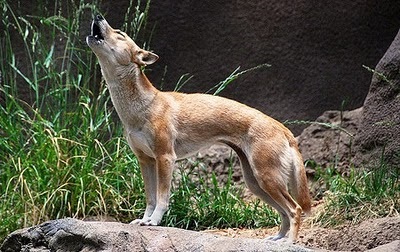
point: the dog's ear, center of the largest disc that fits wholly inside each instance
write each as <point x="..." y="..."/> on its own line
<point x="144" y="57"/>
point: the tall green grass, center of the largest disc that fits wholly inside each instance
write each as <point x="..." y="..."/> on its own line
<point x="364" y="194"/>
<point x="201" y="201"/>
<point x="62" y="147"/>
<point x="61" y="152"/>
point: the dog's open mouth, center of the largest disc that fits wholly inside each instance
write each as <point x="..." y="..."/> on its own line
<point x="96" y="32"/>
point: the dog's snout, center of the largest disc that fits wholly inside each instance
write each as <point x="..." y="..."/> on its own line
<point x="98" y="17"/>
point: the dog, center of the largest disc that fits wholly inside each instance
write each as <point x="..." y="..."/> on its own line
<point x="162" y="127"/>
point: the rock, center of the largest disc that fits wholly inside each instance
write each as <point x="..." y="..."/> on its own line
<point x="379" y="132"/>
<point x="75" y="235"/>
<point x="374" y="234"/>
<point x="315" y="50"/>
<point x="218" y="158"/>
<point x="393" y="246"/>
<point x="374" y="128"/>
<point x="369" y="234"/>
<point x="329" y="140"/>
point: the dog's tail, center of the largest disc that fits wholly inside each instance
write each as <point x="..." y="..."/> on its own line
<point x="298" y="183"/>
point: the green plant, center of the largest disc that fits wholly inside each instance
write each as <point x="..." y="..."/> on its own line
<point x="324" y="124"/>
<point x="362" y="195"/>
<point x="220" y="86"/>
<point x="62" y="150"/>
<point x="380" y="76"/>
<point x="199" y="201"/>
<point x="233" y="76"/>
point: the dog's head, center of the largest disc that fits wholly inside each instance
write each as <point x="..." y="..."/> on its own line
<point x="113" y="46"/>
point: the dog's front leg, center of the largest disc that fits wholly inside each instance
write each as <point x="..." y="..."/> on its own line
<point x="164" y="168"/>
<point x="157" y="176"/>
<point x="149" y="174"/>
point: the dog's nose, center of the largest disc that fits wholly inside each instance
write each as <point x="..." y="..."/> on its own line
<point x="98" y="17"/>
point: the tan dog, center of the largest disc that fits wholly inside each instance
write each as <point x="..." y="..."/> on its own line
<point x="162" y="127"/>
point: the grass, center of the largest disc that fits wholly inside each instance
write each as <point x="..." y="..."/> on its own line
<point x="62" y="148"/>
<point x="364" y="194"/>
<point x="61" y="152"/>
<point x="200" y="201"/>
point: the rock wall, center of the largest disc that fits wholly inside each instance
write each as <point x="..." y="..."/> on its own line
<point x="379" y="133"/>
<point x="316" y="48"/>
<point x="364" y="136"/>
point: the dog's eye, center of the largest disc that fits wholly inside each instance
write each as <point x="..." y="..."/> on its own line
<point x="120" y="33"/>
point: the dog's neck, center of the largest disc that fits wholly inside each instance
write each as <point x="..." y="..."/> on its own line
<point x="131" y="92"/>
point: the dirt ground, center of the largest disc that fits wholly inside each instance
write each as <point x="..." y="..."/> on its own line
<point x="367" y="235"/>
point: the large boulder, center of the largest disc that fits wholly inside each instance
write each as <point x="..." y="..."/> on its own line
<point x="329" y="140"/>
<point x="366" y="136"/>
<point x="75" y="235"/>
<point x="379" y="133"/>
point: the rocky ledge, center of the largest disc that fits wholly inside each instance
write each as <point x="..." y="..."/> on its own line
<point x="76" y="235"/>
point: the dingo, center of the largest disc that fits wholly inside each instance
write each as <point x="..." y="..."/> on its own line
<point x="162" y="127"/>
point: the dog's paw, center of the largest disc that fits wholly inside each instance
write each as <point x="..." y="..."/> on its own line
<point x="281" y="239"/>
<point x="144" y="222"/>
<point x="275" y="237"/>
<point x="136" y="222"/>
<point x="152" y="223"/>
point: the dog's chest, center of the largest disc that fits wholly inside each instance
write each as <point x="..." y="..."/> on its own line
<point x="139" y="140"/>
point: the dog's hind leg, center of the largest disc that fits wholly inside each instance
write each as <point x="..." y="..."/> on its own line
<point x="254" y="187"/>
<point x="273" y="182"/>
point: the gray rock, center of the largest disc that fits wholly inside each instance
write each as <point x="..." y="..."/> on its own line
<point x="75" y="235"/>
<point x="390" y="247"/>
<point x="375" y="126"/>
<point x="373" y="234"/>
<point x="329" y="140"/>
<point x="378" y="134"/>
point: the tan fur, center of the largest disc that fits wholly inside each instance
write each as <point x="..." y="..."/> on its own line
<point x="162" y="127"/>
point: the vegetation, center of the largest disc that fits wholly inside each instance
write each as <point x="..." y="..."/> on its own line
<point x="62" y="147"/>
<point x="61" y="152"/>
<point x="364" y="194"/>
